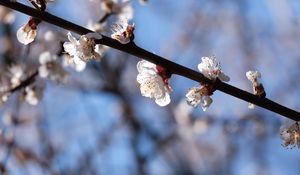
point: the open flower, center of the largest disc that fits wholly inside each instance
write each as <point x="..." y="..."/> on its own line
<point x="51" y="68"/>
<point x="152" y="83"/>
<point x="258" y="88"/>
<point x="82" y="50"/>
<point x="27" y="33"/>
<point x="290" y="134"/>
<point x="211" y="69"/>
<point x="123" y="32"/>
<point x="198" y="95"/>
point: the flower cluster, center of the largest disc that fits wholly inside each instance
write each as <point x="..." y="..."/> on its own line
<point x="153" y="82"/>
<point x="51" y="68"/>
<point x="123" y="32"/>
<point x="258" y="88"/>
<point x="82" y="50"/>
<point x="290" y="134"/>
<point x="211" y="69"/>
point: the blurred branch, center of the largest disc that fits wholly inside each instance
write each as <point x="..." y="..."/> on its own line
<point x="174" y="68"/>
<point x="25" y="82"/>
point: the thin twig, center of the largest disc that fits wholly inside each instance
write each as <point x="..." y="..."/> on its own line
<point x="24" y="83"/>
<point x="175" y="68"/>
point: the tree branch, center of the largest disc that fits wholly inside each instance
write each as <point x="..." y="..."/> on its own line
<point x="174" y="68"/>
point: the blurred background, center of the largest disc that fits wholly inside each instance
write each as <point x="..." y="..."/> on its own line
<point x="98" y="122"/>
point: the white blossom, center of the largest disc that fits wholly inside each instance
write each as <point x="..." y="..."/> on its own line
<point x="82" y="50"/>
<point x="123" y="32"/>
<point x="152" y="84"/>
<point x="257" y="87"/>
<point x="17" y="73"/>
<point x="198" y="95"/>
<point x="253" y="76"/>
<point x="33" y="95"/>
<point x="290" y="134"/>
<point x="211" y="69"/>
<point x="26" y="34"/>
<point x="49" y="36"/>
<point x="68" y="61"/>
<point x="51" y="68"/>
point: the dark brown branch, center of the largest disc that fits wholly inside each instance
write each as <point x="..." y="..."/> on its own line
<point x="104" y="18"/>
<point x="24" y="83"/>
<point x="175" y="68"/>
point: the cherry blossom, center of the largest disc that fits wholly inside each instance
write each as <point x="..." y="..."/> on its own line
<point x="27" y="33"/>
<point x="17" y="73"/>
<point x="82" y="50"/>
<point x="290" y="134"/>
<point x="51" y="68"/>
<point x="198" y="95"/>
<point x="211" y="69"/>
<point x="123" y="32"/>
<point x="154" y="82"/>
<point x="257" y="87"/>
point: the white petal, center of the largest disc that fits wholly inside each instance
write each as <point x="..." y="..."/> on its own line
<point x="206" y="102"/>
<point x="72" y="39"/>
<point x="43" y="71"/>
<point x="163" y="101"/>
<point x="45" y="57"/>
<point x="26" y="35"/>
<point x="70" y="48"/>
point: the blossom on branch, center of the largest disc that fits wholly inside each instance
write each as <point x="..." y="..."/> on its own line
<point x="211" y="69"/>
<point x="123" y="32"/>
<point x="82" y="50"/>
<point x="27" y="33"/>
<point x="258" y="88"/>
<point x="153" y="82"/>
<point x="290" y="134"/>
<point x="17" y="74"/>
<point x="198" y="95"/>
<point x="51" y="68"/>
